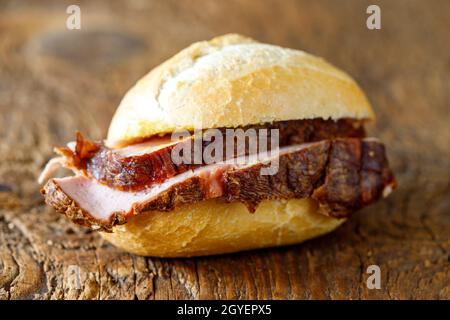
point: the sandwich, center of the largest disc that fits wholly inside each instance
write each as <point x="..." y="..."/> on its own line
<point x="230" y="145"/>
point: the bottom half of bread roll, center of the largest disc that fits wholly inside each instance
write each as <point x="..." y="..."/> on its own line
<point x="214" y="227"/>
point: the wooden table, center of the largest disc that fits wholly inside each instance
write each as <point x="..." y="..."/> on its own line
<point x="54" y="81"/>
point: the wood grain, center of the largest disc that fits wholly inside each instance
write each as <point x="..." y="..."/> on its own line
<point x="54" y="81"/>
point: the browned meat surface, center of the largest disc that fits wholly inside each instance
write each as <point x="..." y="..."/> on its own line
<point x="343" y="175"/>
<point x="142" y="165"/>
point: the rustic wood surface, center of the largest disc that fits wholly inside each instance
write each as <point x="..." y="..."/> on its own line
<point x="54" y="81"/>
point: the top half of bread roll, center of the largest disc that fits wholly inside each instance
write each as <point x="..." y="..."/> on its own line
<point x="233" y="81"/>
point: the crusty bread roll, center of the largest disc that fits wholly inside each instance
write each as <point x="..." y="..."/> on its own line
<point x="213" y="227"/>
<point x="234" y="81"/>
<point x="230" y="81"/>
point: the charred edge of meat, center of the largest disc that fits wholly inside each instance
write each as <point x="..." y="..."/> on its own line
<point x="296" y="177"/>
<point x="343" y="175"/>
<point x="134" y="173"/>
<point x="356" y="176"/>
<point x="188" y="191"/>
<point x="84" y="151"/>
<point x="64" y="204"/>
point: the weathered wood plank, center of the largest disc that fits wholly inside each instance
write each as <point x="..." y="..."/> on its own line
<point x="54" y="81"/>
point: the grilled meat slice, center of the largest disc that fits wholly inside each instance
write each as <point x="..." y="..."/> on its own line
<point x="343" y="175"/>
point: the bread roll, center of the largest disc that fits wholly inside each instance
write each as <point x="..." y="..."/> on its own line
<point x="234" y="81"/>
<point x="230" y="81"/>
<point x="213" y="227"/>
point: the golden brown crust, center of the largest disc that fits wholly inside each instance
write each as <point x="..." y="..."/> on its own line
<point x="215" y="227"/>
<point x="234" y="81"/>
